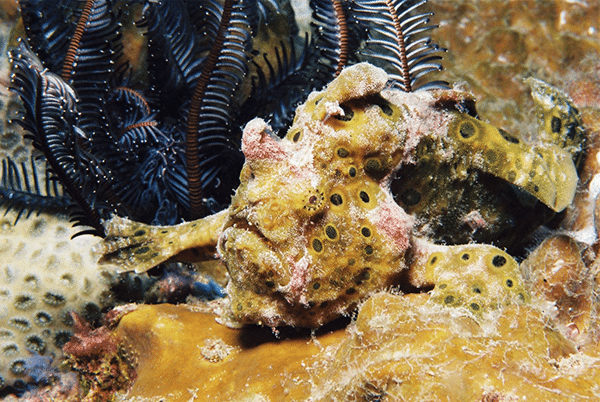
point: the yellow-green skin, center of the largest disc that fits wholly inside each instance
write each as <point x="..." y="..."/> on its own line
<point x="313" y="228"/>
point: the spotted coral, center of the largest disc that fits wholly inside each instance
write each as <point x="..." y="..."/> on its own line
<point x="41" y="281"/>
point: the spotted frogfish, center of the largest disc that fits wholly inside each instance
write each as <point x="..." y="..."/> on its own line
<point x="374" y="188"/>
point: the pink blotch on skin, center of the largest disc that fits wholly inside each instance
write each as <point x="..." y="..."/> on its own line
<point x="585" y="92"/>
<point x="396" y="224"/>
<point x="259" y="143"/>
<point x="299" y="279"/>
<point x="475" y="220"/>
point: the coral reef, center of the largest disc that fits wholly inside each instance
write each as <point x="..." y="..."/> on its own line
<point x="148" y="145"/>
<point x="214" y="362"/>
<point x="44" y="275"/>
<point x="103" y="362"/>
<point x="306" y="255"/>
<point x="536" y="338"/>
<point x="495" y="45"/>
<point x="401" y="347"/>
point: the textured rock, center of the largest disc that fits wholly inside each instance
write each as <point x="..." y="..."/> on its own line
<point x="405" y="348"/>
<point x="494" y="45"/>
<point x="556" y="273"/>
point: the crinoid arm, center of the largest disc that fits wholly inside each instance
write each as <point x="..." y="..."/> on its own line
<point x="210" y="114"/>
<point x="50" y="110"/>
<point x="27" y="189"/>
<point x="134" y="246"/>
<point x="398" y="40"/>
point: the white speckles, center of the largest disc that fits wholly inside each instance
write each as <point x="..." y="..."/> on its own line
<point x="594" y="187"/>
<point x="586" y="235"/>
<point x="301" y="160"/>
<point x="215" y="350"/>
<point x="258" y="142"/>
<point x="300" y="277"/>
<point x="562" y="18"/>
<point x="475" y="220"/>
<point x="395" y="223"/>
<point x="333" y="109"/>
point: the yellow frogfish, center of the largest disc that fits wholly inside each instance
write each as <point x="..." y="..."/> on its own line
<point x="327" y="215"/>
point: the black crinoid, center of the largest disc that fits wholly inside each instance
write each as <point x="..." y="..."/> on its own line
<point x="161" y="143"/>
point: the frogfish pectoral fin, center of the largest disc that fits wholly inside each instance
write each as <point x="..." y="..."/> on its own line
<point x="478" y="277"/>
<point x="134" y="246"/>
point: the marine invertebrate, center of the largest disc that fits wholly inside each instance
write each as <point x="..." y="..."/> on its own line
<point x="119" y="144"/>
<point x="93" y="122"/>
<point x="101" y="122"/>
<point x="474" y="220"/>
<point x="25" y="190"/>
<point x="202" y="348"/>
<point x="422" y="353"/>
<point x="399" y="346"/>
<point x="305" y="255"/>
<point x="80" y="133"/>
<point x="397" y="42"/>
<point x="97" y="354"/>
<point x="41" y="282"/>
